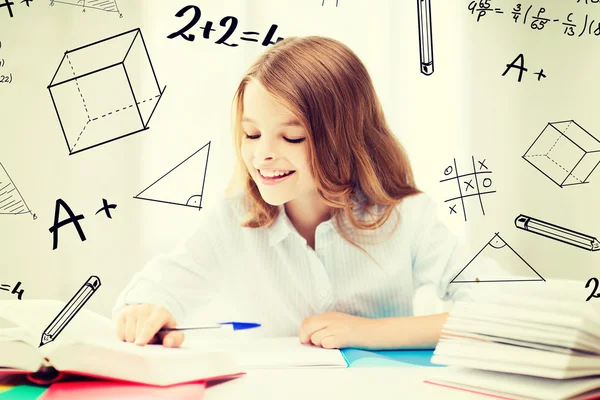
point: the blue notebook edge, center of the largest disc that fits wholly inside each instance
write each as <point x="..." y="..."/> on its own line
<point x="406" y="358"/>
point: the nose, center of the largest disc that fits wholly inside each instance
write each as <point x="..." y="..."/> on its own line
<point x="265" y="150"/>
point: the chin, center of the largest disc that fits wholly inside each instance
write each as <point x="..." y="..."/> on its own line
<point x="272" y="197"/>
<point x="273" y="200"/>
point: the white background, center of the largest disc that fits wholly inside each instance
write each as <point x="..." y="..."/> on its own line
<point x="466" y="108"/>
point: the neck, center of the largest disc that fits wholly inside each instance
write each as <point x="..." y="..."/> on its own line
<point x="306" y="213"/>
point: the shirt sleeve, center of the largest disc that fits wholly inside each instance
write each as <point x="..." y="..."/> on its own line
<point x="438" y="255"/>
<point x="185" y="278"/>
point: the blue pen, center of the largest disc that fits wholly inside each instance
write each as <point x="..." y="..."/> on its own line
<point x="237" y="326"/>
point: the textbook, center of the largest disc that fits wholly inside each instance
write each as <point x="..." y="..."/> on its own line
<point x="88" y="346"/>
<point x="516" y="387"/>
<point x="543" y="334"/>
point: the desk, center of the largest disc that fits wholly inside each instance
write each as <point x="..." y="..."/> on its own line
<point x="335" y="383"/>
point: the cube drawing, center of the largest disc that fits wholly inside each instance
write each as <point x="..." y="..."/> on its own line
<point x="105" y="91"/>
<point x="564" y="152"/>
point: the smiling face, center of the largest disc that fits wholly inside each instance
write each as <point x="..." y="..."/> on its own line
<point x="274" y="147"/>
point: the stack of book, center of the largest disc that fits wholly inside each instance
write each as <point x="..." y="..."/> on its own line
<point x="524" y="340"/>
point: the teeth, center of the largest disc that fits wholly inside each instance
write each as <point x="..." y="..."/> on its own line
<point x="274" y="173"/>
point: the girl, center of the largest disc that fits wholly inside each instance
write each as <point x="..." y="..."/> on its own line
<point x="328" y="237"/>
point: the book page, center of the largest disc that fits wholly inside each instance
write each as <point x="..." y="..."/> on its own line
<point x="529" y="386"/>
<point x="34" y="316"/>
<point x="281" y="352"/>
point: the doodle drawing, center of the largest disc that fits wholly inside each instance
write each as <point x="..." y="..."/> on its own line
<point x="476" y="270"/>
<point x="425" y="36"/>
<point x="105" y="91"/>
<point x="557" y="233"/>
<point x="183" y="185"/>
<point x="468" y="186"/>
<point x="11" y="201"/>
<point x="70" y="310"/>
<point x="109" y="6"/>
<point x="565" y="153"/>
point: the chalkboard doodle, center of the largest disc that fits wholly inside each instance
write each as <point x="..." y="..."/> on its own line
<point x="536" y="18"/>
<point x="565" y="153"/>
<point x="181" y="185"/>
<point x="109" y="6"/>
<point x="11" y="200"/>
<point x="105" y="91"/>
<point x="7" y="5"/>
<point x="6" y="287"/>
<point x="469" y="186"/>
<point x="228" y="22"/>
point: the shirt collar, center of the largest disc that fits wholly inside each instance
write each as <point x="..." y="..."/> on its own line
<point x="282" y="227"/>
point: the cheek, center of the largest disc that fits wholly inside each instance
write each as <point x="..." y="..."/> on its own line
<point x="247" y="153"/>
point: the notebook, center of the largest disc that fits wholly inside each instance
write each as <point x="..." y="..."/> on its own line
<point x="88" y="346"/>
<point x="358" y="358"/>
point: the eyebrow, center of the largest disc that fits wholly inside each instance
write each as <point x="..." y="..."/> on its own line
<point x="292" y="122"/>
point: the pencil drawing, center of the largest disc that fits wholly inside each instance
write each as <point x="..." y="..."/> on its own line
<point x="425" y="36"/>
<point x="557" y="233"/>
<point x="70" y="310"/>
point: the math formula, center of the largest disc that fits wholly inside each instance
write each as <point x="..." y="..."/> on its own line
<point x="6" y="287"/>
<point x="539" y="18"/>
<point x="230" y="24"/>
<point x="5" y="76"/>
<point x="593" y="284"/>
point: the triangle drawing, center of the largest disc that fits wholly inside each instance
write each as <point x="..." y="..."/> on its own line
<point x="11" y="201"/>
<point x="479" y="270"/>
<point x="183" y="185"/>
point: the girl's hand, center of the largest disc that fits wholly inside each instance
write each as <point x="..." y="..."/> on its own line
<point x="334" y="330"/>
<point x="140" y="323"/>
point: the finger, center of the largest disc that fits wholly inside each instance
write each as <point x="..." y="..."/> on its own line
<point x="172" y="339"/>
<point x="121" y="323"/>
<point x="152" y="325"/>
<point x="130" y="319"/>
<point x="331" y="342"/>
<point x="309" y="326"/>
<point x="143" y="313"/>
<point x="319" y="335"/>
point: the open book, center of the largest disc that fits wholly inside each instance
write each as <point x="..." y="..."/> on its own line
<point x="89" y="346"/>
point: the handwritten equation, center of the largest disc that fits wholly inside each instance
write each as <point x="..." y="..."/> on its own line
<point x="6" y="287"/>
<point x="229" y="22"/>
<point x="595" y="293"/>
<point x="5" y="77"/>
<point x="74" y="219"/>
<point x="537" y="17"/>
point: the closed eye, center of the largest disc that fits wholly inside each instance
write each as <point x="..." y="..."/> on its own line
<point x="300" y="140"/>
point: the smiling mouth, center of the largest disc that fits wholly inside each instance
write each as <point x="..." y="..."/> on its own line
<point x="275" y="176"/>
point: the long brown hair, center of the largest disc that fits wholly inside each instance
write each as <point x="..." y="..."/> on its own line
<point x="352" y="152"/>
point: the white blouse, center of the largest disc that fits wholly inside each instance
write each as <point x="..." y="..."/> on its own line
<point x="271" y="276"/>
